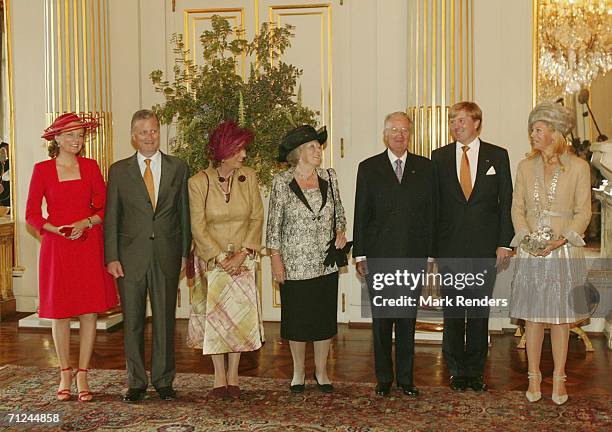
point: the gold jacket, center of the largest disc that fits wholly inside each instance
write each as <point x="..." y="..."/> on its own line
<point x="215" y="223"/>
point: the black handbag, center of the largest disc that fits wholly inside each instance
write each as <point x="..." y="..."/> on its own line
<point x="335" y="256"/>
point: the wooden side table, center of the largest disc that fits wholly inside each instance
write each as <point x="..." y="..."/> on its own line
<point x="8" y="303"/>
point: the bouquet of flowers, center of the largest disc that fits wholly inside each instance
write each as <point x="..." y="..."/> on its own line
<point x="536" y="241"/>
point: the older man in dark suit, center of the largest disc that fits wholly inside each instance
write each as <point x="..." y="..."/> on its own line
<point x="475" y="197"/>
<point x="395" y="204"/>
<point x="147" y="237"/>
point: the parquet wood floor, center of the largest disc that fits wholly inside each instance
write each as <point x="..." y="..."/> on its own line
<point x="351" y="358"/>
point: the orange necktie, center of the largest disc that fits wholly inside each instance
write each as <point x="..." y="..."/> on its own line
<point x="148" y="180"/>
<point x="465" y="177"/>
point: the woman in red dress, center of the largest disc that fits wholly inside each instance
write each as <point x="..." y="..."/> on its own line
<point x="72" y="278"/>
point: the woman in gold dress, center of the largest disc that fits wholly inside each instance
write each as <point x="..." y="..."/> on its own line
<point x="226" y="223"/>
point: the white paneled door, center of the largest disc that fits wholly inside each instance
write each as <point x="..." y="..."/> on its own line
<point x="320" y="48"/>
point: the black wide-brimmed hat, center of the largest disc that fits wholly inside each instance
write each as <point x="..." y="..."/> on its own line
<point x="298" y="136"/>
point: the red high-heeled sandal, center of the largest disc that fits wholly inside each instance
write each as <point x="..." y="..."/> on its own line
<point x="64" y="394"/>
<point x="84" y="395"/>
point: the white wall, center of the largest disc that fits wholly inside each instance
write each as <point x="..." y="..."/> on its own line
<point x="502" y="77"/>
<point x="378" y="67"/>
<point x="29" y="104"/>
<point x="138" y="45"/>
<point x="503" y="57"/>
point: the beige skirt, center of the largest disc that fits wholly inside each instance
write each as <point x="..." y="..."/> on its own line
<point x="226" y="311"/>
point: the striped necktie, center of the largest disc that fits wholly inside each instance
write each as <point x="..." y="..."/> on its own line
<point x="399" y="172"/>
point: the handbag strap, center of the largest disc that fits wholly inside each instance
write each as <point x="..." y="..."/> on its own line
<point x="207" y="188"/>
<point x="331" y="187"/>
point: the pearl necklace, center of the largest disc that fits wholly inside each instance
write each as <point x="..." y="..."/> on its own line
<point x="303" y="177"/>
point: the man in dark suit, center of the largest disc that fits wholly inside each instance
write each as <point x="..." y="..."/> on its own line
<point x="394" y="217"/>
<point x="147" y="239"/>
<point x="474" y="225"/>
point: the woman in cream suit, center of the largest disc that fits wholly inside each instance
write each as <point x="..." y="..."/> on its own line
<point x="551" y="208"/>
<point x="226" y="223"/>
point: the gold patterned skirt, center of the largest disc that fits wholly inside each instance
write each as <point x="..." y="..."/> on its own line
<point x="226" y="312"/>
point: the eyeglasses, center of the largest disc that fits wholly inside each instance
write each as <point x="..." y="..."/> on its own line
<point x="144" y="133"/>
<point x="397" y="131"/>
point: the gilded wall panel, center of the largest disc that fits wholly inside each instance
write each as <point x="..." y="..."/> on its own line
<point x="440" y="67"/>
<point x="311" y="51"/>
<point x="77" y="68"/>
<point x="196" y="21"/>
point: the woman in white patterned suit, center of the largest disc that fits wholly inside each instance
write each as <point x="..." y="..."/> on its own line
<point x="551" y="208"/>
<point x="304" y="203"/>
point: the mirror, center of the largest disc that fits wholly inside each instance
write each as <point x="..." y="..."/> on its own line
<point x="570" y="60"/>
<point x="562" y="30"/>
<point x="6" y="120"/>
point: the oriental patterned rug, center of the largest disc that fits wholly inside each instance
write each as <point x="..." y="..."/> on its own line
<point x="266" y="405"/>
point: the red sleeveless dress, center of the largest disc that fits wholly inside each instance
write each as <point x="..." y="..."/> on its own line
<point x="72" y="278"/>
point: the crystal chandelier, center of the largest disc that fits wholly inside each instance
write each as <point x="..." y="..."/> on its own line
<point x="575" y="41"/>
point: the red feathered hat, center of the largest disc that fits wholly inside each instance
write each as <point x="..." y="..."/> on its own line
<point x="227" y="140"/>
<point x="68" y="122"/>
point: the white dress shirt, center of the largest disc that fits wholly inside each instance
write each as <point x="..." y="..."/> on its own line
<point x="393" y="158"/>
<point x="472" y="155"/>
<point x="155" y="169"/>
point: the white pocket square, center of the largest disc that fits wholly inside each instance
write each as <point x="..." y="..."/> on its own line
<point x="491" y="171"/>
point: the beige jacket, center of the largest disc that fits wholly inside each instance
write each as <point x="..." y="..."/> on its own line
<point x="215" y="223"/>
<point x="570" y="212"/>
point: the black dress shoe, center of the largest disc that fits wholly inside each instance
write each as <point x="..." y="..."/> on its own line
<point x="325" y="388"/>
<point x="134" y="395"/>
<point x="457" y="383"/>
<point x="297" y="388"/>
<point x="383" y="389"/>
<point x="166" y="393"/>
<point x="409" y="390"/>
<point x="477" y="384"/>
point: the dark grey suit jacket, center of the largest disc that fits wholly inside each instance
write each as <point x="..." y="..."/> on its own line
<point x="394" y="220"/>
<point x="134" y="233"/>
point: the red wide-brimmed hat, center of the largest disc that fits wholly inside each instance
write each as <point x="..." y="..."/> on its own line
<point x="68" y="122"/>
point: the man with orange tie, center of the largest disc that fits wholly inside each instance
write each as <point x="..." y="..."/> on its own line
<point x="147" y="237"/>
<point x="474" y="231"/>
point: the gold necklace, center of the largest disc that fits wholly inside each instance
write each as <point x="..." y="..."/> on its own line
<point x="229" y="180"/>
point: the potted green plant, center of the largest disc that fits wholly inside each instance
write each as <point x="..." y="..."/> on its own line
<point x="201" y="96"/>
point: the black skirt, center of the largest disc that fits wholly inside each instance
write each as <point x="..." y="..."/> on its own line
<point x="309" y="308"/>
